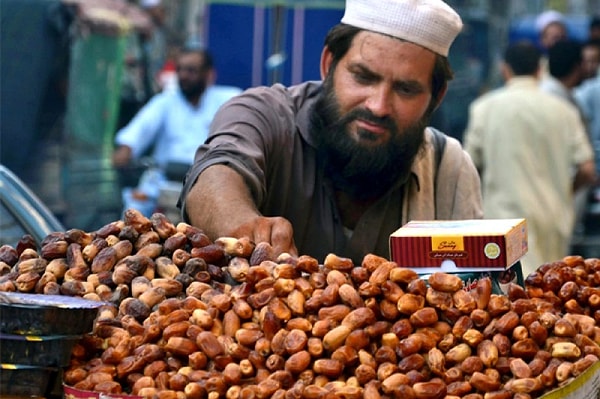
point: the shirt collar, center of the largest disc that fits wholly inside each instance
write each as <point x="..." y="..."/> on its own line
<point x="522" y="80"/>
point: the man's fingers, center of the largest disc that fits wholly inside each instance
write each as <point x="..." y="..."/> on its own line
<point x="282" y="237"/>
<point x="277" y="231"/>
<point x="262" y="230"/>
<point x="293" y="250"/>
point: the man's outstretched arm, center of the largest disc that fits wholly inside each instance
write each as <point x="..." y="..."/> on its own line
<point x="220" y="203"/>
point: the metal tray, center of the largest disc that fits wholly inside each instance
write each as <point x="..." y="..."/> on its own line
<point x="38" y="314"/>
<point x="26" y="381"/>
<point x="74" y="393"/>
<point x="46" y="351"/>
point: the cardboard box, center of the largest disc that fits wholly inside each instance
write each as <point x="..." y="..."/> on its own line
<point x="459" y="245"/>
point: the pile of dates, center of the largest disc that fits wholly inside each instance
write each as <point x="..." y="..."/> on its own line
<point x="186" y="317"/>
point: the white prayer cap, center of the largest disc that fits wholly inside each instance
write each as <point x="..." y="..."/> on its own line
<point x="429" y="23"/>
<point x="546" y="18"/>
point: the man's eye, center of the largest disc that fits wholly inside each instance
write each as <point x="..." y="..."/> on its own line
<point x="363" y="78"/>
<point x="188" y="69"/>
<point x="407" y="90"/>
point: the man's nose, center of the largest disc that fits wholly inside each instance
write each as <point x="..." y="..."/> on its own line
<point x="379" y="101"/>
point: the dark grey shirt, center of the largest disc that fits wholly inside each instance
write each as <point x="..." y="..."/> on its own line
<point x="264" y="135"/>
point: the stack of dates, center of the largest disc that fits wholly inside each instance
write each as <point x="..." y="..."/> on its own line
<point x="186" y="317"/>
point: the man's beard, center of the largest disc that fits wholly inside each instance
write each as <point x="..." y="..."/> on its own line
<point x="362" y="171"/>
<point x="193" y="91"/>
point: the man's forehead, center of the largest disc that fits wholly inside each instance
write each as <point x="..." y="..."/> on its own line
<point x="555" y="27"/>
<point x="371" y="42"/>
<point x="390" y="58"/>
<point x="189" y="58"/>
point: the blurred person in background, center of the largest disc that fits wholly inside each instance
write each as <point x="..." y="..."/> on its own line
<point x="587" y="96"/>
<point x="340" y="164"/>
<point x="594" y="28"/>
<point x="532" y="152"/>
<point x="565" y="67"/>
<point x="551" y="28"/>
<point x="590" y="54"/>
<point x="172" y="125"/>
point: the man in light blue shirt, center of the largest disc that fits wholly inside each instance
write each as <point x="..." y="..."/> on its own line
<point x="587" y="96"/>
<point x="173" y="124"/>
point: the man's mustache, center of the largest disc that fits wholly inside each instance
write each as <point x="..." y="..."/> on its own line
<point x="366" y="115"/>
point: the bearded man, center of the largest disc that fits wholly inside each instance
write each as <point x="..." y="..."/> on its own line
<point x="172" y="125"/>
<point x="338" y="165"/>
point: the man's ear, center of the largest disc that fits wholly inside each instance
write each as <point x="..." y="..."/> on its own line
<point x="440" y="96"/>
<point x="326" y="60"/>
<point x="211" y="77"/>
<point x="505" y="71"/>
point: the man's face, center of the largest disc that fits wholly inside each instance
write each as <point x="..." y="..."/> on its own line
<point x="374" y="107"/>
<point x="553" y="33"/>
<point x="590" y="61"/>
<point x="192" y="75"/>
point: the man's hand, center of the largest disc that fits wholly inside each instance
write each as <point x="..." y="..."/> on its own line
<point x="585" y="175"/>
<point x="221" y="205"/>
<point x="121" y="157"/>
<point x="275" y="230"/>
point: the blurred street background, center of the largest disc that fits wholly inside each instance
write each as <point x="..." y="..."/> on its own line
<point x="65" y="63"/>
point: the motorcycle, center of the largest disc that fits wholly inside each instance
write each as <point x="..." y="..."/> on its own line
<point x="151" y="189"/>
<point x="169" y="190"/>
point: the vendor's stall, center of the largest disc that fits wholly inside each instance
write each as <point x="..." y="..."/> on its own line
<point x="181" y="316"/>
